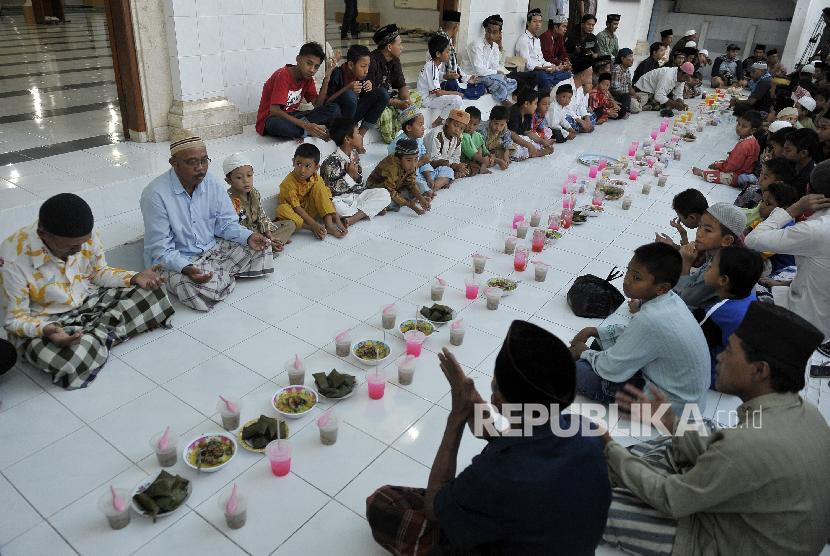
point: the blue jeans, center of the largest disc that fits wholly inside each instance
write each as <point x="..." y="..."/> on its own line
<point x="276" y="126"/>
<point x="546" y="81"/>
<point x="367" y="108"/>
<point x="593" y="386"/>
<point x="499" y="86"/>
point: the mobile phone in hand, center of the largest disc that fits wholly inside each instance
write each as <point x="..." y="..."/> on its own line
<point x="820" y="371"/>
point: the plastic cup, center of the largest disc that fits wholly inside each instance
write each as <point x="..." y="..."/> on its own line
<point x="541" y="272"/>
<point x="538" y="242"/>
<point x="168" y="456"/>
<point x="238" y="518"/>
<point x="618" y="169"/>
<point x="677" y="154"/>
<point x="646" y="188"/>
<point x="230" y="419"/>
<point x="480" y="260"/>
<point x="626" y="203"/>
<point x="471" y="287"/>
<point x="632" y="175"/>
<point x="521" y="230"/>
<point x="535" y="218"/>
<point x="279" y="455"/>
<point x="661" y="180"/>
<point x="592" y="171"/>
<point x="602" y="163"/>
<point x="414" y="341"/>
<point x="493" y="296"/>
<point x="328" y="431"/>
<point x="296" y="377"/>
<point x="553" y="222"/>
<point x="388" y="318"/>
<point x="517" y="217"/>
<point x="343" y="346"/>
<point x="437" y="292"/>
<point x="406" y="370"/>
<point x="510" y="244"/>
<point x="116" y="519"/>
<point x="520" y="260"/>
<point x="377" y="384"/>
<point x="457" y="336"/>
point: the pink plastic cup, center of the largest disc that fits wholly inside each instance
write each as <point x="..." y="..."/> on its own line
<point x="279" y="454"/>
<point x="520" y="259"/>
<point x="414" y="341"/>
<point x="592" y="171"/>
<point x="632" y="175"/>
<point x="377" y="384"/>
<point x="471" y="287"/>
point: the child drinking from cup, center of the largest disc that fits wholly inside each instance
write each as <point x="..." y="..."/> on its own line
<point x="689" y="205"/>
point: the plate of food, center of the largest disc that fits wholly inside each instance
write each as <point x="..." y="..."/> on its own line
<point x="371" y="352"/>
<point x="161" y="495"/>
<point x="209" y="452"/>
<point x="553" y="234"/>
<point x="423" y="325"/>
<point x="588" y="159"/>
<point x="255" y="435"/>
<point x="506" y="284"/>
<point x="438" y="314"/>
<point x="292" y="402"/>
<point x="688" y="136"/>
<point x="591" y="210"/>
<point x="613" y="190"/>
<point x="579" y="217"/>
<point x="334" y="385"/>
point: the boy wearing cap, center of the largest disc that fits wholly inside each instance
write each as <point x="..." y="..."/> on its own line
<point x="529" y="47"/>
<point x="731" y="490"/>
<point x="452" y="76"/>
<point x="396" y="174"/>
<point x="65" y="306"/>
<point x="485" y="55"/>
<point x="805" y="106"/>
<point x="607" y="42"/>
<point x="727" y="70"/>
<point x="429" y="178"/>
<point x="580" y="118"/>
<point x="246" y="200"/>
<point x="553" y="43"/>
<point x="664" y="87"/>
<point x="666" y="38"/>
<point x="444" y="144"/>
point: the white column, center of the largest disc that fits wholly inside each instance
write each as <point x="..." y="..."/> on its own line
<point x="807" y="14"/>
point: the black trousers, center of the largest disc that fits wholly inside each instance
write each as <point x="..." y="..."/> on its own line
<point x="349" y="19"/>
<point x="625" y="103"/>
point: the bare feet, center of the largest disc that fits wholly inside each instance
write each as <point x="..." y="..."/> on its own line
<point x="484" y="171"/>
<point x="335" y="231"/>
<point x="350" y="221"/>
<point x="697" y="171"/>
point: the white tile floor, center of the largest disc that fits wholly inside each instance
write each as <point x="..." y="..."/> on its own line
<point x="76" y="444"/>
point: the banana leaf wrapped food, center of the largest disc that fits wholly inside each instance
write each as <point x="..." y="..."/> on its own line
<point x="437" y="313"/>
<point x="335" y="384"/>
<point x="166" y="493"/>
<point x="263" y="431"/>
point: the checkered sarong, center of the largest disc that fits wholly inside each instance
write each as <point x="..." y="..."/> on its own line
<point x="388" y="125"/>
<point x="106" y="317"/>
<point x="396" y="516"/>
<point x="633" y="525"/>
<point x="227" y="261"/>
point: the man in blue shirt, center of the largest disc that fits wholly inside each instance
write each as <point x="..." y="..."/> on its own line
<point x="193" y="231"/>
<point x="534" y="491"/>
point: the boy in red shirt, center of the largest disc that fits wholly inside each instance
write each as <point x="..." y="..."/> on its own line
<point x="278" y="114"/>
<point x="600" y="101"/>
<point x="742" y="158"/>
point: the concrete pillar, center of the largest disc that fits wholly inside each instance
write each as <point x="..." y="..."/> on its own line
<point x="807" y="13"/>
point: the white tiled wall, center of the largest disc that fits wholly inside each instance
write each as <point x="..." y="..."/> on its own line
<point x="230" y="47"/>
<point x="513" y="12"/>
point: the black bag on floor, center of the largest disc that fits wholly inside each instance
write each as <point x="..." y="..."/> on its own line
<point x="594" y="297"/>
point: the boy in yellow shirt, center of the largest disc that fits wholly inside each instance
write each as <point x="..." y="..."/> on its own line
<point x="304" y="196"/>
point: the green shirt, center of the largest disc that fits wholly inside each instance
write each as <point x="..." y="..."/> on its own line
<point x="471" y="143"/>
<point x="607" y="43"/>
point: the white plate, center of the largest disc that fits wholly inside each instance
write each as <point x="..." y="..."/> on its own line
<point x="188" y="447"/>
<point x="506" y="292"/>
<point x="293" y="389"/>
<point x="371" y="362"/>
<point x="143" y="484"/>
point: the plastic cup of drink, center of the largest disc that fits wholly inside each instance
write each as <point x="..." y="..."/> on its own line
<point x="618" y="169"/>
<point x="602" y="163"/>
<point x="553" y="222"/>
<point x="480" y="260"/>
<point x="632" y="175"/>
<point x="567" y="219"/>
<point x="230" y="419"/>
<point x="493" y="296"/>
<point x="592" y="171"/>
<point x="116" y="519"/>
<point x="328" y="430"/>
<point x="677" y="154"/>
<point x="538" y="242"/>
<point x="457" y="335"/>
<point x="471" y="287"/>
<point x="437" y="291"/>
<point x="626" y="203"/>
<point x="520" y="260"/>
<point x="279" y="455"/>
<point x="168" y="456"/>
<point x="406" y="370"/>
<point x="661" y="180"/>
<point x="296" y="377"/>
<point x="343" y="346"/>
<point x="377" y="385"/>
<point x="510" y="244"/>
<point x="388" y="318"/>
<point x="521" y="230"/>
<point x="632" y="151"/>
<point x="541" y="272"/>
<point x="646" y="188"/>
<point x="414" y="340"/>
<point x="517" y="217"/>
<point x="535" y="218"/>
<point x="239" y="516"/>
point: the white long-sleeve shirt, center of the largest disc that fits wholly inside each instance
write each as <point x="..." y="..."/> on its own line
<point x="430" y="78"/>
<point x="809" y="243"/>
<point x="441" y="147"/>
<point x="557" y="116"/>
<point x="578" y="108"/>
<point x="484" y="57"/>
<point x="530" y="48"/>
<point x="661" y="82"/>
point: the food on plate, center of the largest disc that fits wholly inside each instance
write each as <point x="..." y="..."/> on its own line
<point x="210" y="451"/>
<point x="334" y="384"/>
<point x="422" y="326"/>
<point x="506" y="284"/>
<point x="166" y="493"/>
<point x="295" y="401"/>
<point x="371" y="350"/>
<point x="579" y="217"/>
<point x="257" y="434"/>
<point x="437" y="313"/>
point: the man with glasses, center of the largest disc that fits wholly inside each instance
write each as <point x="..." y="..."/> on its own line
<point x="193" y="231"/>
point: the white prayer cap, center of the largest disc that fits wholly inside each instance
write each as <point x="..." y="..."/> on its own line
<point x="691" y="44"/>
<point x="234" y="161"/>
<point x="778" y="125"/>
<point x="807" y="103"/>
<point x="704" y="52"/>
<point x="809" y="68"/>
<point x="689" y="33"/>
<point x="759" y="66"/>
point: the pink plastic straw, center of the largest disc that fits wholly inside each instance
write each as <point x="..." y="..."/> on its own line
<point x="232" y="407"/>
<point x="118" y="503"/>
<point x="233" y="503"/>
<point x="388" y="309"/>
<point x="298" y="363"/>
<point x="440" y="280"/>
<point x="456" y="324"/>
<point x="164" y="441"/>
<point x="541" y="263"/>
<point x="324" y="418"/>
<point x="341" y="336"/>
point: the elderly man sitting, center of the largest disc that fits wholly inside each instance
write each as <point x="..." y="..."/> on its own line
<point x="193" y="231"/>
<point x="65" y="306"/>
<point x="538" y="488"/>
<point x="759" y="488"/>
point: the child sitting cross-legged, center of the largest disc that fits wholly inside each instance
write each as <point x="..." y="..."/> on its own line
<point x="689" y="205"/>
<point x="497" y="137"/>
<point x="773" y="170"/>
<point x="733" y="274"/>
<point x="520" y="123"/>
<point x="396" y="174"/>
<point x="443" y="145"/>
<point x="304" y="196"/>
<point x="429" y="82"/>
<point x="429" y="179"/>
<point x="600" y="101"/>
<point x="557" y="115"/>
<point x="473" y="150"/>
<point x="782" y="268"/>
<point x="742" y="157"/>
<point x="720" y="226"/>
<point x="540" y="132"/>
<point x="662" y="345"/>
<point x="246" y="200"/>
<point x="342" y="173"/>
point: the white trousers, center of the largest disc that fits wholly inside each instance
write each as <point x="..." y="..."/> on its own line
<point x="371" y="202"/>
<point x="444" y="103"/>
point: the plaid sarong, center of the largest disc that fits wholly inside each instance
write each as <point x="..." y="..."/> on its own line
<point x="388" y="124"/>
<point x="106" y="317"/>
<point x="633" y="525"/>
<point x="396" y="517"/>
<point x="227" y="261"/>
